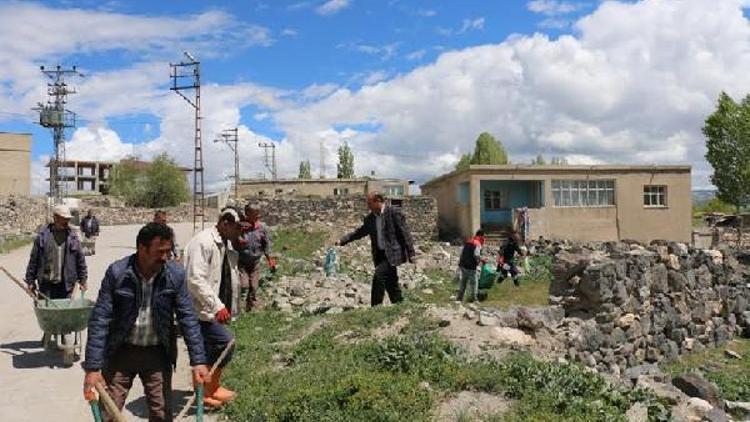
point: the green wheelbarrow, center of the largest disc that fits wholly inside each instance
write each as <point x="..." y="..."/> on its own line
<point x="58" y="317"/>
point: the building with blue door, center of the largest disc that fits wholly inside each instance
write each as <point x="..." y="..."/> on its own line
<point x="598" y="203"/>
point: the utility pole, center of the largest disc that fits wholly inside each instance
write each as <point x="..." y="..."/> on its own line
<point x="231" y="138"/>
<point x="269" y="160"/>
<point x="55" y="116"/>
<point x="190" y="70"/>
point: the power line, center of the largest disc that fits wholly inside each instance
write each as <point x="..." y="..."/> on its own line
<point x="269" y="159"/>
<point x="230" y="137"/>
<point x="189" y="72"/>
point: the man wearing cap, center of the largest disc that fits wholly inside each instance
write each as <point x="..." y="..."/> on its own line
<point x="213" y="281"/>
<point x="56" y="262"/>
<point x="255" y="243"/>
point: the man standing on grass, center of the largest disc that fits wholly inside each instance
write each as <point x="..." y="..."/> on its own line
<point x="255" y="243"/>
<point x="467" y="265"/>
<point x="506" y="261"/>
<point x="213" y="281"/>
<point x="391" y="244"/>
<point x="131" y="330"/>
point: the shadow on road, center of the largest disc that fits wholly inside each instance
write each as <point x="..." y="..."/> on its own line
<point x="139" y="406"/>
<point x="30" y="355"/>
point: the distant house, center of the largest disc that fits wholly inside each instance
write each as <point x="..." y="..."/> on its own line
<point x="322" y="187"/>
<point x="586" y="203"/>
<point x="91" y="177"/>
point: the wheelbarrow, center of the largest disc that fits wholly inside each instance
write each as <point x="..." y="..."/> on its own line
<point x="88" y="245"/>
<point x="58" y="317"/>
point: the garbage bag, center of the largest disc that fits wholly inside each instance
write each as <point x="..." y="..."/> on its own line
<point x="329" y="266"/>
<point x="487" y="276"/>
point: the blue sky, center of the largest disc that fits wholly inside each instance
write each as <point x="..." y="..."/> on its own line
<point x="409" y="84"/>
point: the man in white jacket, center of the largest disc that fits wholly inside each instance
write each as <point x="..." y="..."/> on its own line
<point x="213" y="281"/>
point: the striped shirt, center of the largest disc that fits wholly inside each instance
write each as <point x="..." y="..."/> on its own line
<point x="143" y="332"/>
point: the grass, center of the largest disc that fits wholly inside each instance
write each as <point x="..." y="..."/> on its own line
<point x="732" y="376"/>
<point x="533" y="289"/>
<point x="12" y="242"/>
<point x="332" y="368"/>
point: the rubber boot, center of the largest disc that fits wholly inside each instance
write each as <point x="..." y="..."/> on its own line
<point x="220" y="393"/>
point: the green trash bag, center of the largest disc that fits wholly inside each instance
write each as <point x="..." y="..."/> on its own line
<point x="329" y="266"/>
<point x="487" y="277"/>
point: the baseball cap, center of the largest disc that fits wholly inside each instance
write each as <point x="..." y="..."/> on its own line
<point x="62" y="211"/>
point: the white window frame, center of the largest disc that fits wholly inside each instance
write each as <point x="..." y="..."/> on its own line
<point x="579" y="193"/>
<point x="655" y="196"/>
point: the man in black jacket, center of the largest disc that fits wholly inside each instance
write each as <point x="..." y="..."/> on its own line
<point x="391" y="243"/>
<point x="131" y="329"/>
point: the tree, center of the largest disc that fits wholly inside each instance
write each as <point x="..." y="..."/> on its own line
<point x="539" y="160"/>
<point x="487" y="150"/>
<point x="464" y="162"/>
<point x="727" y="132"/>
<point x="345" y="168"/>
<point x="304" y="170"/>
<point x="160" y="184"/>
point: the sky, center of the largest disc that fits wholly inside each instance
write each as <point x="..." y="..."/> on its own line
<point x="409" y="85"/>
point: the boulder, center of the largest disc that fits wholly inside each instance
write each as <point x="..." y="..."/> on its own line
<point x="696" y="386"/>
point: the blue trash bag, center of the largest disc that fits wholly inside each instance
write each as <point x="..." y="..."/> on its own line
<point x="329" y="266"/>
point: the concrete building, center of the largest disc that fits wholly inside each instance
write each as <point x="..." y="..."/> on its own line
<point x="598" y="203"/>
<point x="322" y="187"/>
<point x="15" y="156"/>
<point x="91" y="177"/>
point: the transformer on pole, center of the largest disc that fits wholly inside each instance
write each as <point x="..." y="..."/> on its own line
<point x="269" y="160"/>
<point x="186" y="76"/>
<point x="55" y="116"/>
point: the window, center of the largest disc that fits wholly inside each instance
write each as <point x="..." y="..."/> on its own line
<point x="495" y="200"/>
<point x="393" y="190"/>
<point x="583" y="193"/>
<point x="463" y="193"/>
<point x="654" y="196"/>
<point x="340" y="191"/>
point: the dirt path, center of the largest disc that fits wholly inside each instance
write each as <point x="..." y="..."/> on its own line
<point x="34" y="384"/>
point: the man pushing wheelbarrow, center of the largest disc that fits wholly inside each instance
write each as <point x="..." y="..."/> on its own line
<point x="56" y="263"/>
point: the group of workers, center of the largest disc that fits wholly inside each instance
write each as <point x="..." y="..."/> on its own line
<point x="146" y="297"/>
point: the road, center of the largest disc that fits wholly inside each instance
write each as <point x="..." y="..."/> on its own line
<point x="35" y="384"/>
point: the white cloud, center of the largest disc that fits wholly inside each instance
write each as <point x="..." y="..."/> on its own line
<point x="632" y="87"/>
<point x="426" y="13"/>
<point x="332" y="7"/>
<point x="472" y="25"/>
<point x="375" y="77"/>
<point x="289" y="32"/>
<point x="385" y="52"/>
<point x="416" y="55"/>
<point x="553" y="7"/>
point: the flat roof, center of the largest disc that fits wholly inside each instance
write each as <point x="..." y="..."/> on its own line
<point x="528" y="169"/>
<point x="2" y="132"/>
<point x="327" y="180"/>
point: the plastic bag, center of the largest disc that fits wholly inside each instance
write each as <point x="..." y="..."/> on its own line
<point x="487" y="276"/>
<point x="329" y="266"/>
<point x="526" y="265"/>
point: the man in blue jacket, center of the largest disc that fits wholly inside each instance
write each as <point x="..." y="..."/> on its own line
<point x="131" y="331"/>
<point x="56" y="263"/>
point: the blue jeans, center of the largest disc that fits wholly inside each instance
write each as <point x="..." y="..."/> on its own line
<point x="468" y="277"/>
<point x="216" y="336"/>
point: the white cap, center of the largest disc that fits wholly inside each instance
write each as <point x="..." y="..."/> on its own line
<point x="62" y="211"/>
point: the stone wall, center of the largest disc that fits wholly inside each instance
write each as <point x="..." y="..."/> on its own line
<point x="627" y="304"/>
<point x="21" y="215"/>
<point x="347" y="212"/>
<point x="111" y="213"/>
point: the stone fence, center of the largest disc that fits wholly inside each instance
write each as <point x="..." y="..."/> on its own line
<point x="347" y="212"/>
<point x="627" y="304"/>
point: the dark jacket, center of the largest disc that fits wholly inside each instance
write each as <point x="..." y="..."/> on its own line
<point x="399" y="245"/>
<point x="469" y="258"/>
<point x="74" y="264"/>
<point x="117" y="307"/>
<point x="256" y="243"/>
<point x="509" y="250"/>
<point x="93" y="230"/>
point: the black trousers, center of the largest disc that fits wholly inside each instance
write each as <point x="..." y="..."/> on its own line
<point x="385" y="279"/>
<point x="54" y="290"/>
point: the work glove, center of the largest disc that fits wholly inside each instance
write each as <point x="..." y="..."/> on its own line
<point x="32" y="288"/>
<point x="272" y="264"/>
<point x="223" y="316"/>
<point x="83" y="285"/>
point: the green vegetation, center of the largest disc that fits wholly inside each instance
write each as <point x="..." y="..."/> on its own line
<point x="345" y="168"/>
<point x="714" y="205"/>
<point x="11" y="242"/>
<point x="487" y="150"/>
<point x="727" y="132"/>
<point x="731" y="375"/>
<point x="333" y="368"/>
<point x="160" y="184"/>
<point x="304" y="170"/>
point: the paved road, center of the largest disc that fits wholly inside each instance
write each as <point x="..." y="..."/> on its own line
<point x="34" y="384"/>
